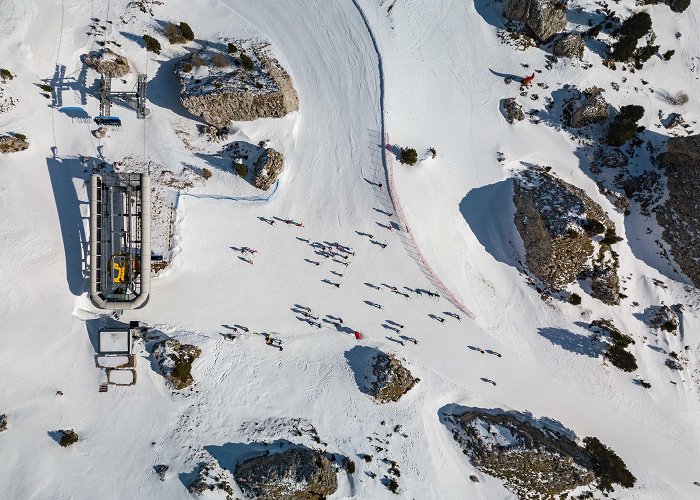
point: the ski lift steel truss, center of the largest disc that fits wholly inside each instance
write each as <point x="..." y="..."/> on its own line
<point x="107" y="95"/>
<point x="120" y="240"/>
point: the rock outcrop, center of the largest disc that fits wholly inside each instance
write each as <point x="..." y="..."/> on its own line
<point x="210" y="477"/>
<point x="532" y="463"/>
<point x="511" y="110"/>
<point x="680" y="215"/>
<point x="221" y="88"/>
<point x="13" y="143"/>
<point x="544" y="18"/>
<point x="570" y="46"/>
<point x="106" y="62"/>
<point x="296" y="474"/>
<point x="594" y="109"/>
<point x="391" y="379"/>
<point x="100" y="132"/>
<point x="556" y="222"/>
<point x="175" y="361"/>
<point x="268" y="167"/>
<point x="663" y="317"/>
<point x="3" y="422"/>
<point x="605" y="283"/>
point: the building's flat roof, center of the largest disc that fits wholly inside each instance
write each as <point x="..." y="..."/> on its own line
<point x="115" y="341"/>
<point x="122" y="377"/>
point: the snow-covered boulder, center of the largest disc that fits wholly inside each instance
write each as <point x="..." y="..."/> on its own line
<point x="512" y="111"/>
<point x="298" y="473"/>
<point x="13" y="143"/>
<point x="570" y="45"/>
<point x="553" y="218"/>
<point x="106" y="62"/>
<point x="175" y="361"/>
<point x="545" y="18"/>
<point x="510" y="449"/>
<point x="268" y="167"/>
<point x="594" y="109"/>
<point x="680" y="215"/>
<point x="222" y="87"/>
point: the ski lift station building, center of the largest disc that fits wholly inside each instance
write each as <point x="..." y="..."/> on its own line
<point x="120" y="240"/>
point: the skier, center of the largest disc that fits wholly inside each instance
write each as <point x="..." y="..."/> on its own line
<point x="245" y="329"/>
<point x="526" y="81"/>
<point x="337" y="285"/>
<point x="411" y="339"/>
<point x="271" y="222"/>
<point x="400" y="326"/>
<point x="383" y="245"/>
<point x="358" y="335"/>
<point x="344" y="263"/>
<point x="441" y="320"/>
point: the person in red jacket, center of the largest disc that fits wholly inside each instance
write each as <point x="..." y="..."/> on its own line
<point x="528" y="80"/>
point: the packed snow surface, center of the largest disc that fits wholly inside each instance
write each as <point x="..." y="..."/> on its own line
<point x="430" y="74"/>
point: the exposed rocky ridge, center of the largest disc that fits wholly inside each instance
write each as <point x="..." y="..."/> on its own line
<point x="175" y="361"/>
<point x="230" y="92"/>
<point x="512" y="110"/>
<point x="268" y="167"/>
<point x="594" y="109"/>
<point x="295" y="474"/>
<point x="13" y="143"/>
<point x="605" y="283"/>
<point x="210" y="477"/>
<point x="533" y="463"/>
<point x="554" y="220"/>
<point x="543" y="17"/>
<point x="570" y="45"/>
<point x="663" y="317"/>
<point x="106" y="62"/>
<point x="680" y="215"/>
<point x="391" y="379"/>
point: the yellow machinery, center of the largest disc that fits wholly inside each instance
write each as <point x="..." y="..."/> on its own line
<point x="120" y="263"/>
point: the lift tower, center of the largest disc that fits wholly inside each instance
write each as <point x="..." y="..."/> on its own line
<point x="107" y="95"/>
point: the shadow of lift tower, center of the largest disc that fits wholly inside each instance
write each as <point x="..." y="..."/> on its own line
<point x="107" y="95"/>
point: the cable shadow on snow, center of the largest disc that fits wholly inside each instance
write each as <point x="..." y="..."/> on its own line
<point x="66" y="175"/>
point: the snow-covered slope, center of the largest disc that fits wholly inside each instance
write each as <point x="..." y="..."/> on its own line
<point x="427" y="72"/>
